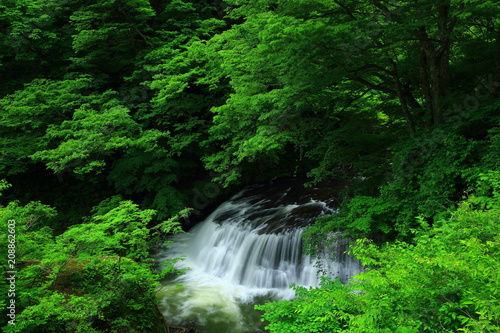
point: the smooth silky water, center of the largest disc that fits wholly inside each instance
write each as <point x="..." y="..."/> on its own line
<point x="248" y="251"/>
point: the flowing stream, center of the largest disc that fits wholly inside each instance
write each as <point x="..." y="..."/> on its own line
<point x="248" y="251"/>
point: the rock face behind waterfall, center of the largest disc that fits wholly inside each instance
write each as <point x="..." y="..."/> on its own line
<point x="251" y="246"/>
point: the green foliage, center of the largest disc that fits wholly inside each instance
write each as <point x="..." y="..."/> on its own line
<point x="131" y="99"/>
<point x="446" y="281"/>
<point x="492" y="158"/>
<point x="92" y="135"/>
<point x="429" y="174"/>
<point x="326" y="309"/>
<point x="35" y="41"/>
<point x="89" y="118"/>
<point x="109" y="33"/>
<point x="338" y="81"/>
<point x="95" y="277"/>
<point x="122" y="231"/>
<point x="4" y="185"/>
<point x="27" y="113"/>
<point x="105" y="294"/>
<point x="183" y="97"/>
<point x="32" y="226"/>
<point x="57" y="313"/>
<point x="152" y="174"/>
<point x="260" y="117"/>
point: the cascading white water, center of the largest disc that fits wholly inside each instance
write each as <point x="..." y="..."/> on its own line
<point x="249" y="247"/>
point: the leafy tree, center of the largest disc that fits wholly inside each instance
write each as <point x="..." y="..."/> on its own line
<point x="183" y="98"/>
<point x="98" y="295"/>
<point x="339" y="70"/>
<point x="326" y="309"/>
<point x="133" y="100"/>
<point x="27" y="113"/>
<point x="92" y="135"/>
<point x="90" y="120"/>
<point x="35" y="40"/>
<point x="110" y="33"/>
<point x="122" y="231"/>
<point x="428" y="176"/>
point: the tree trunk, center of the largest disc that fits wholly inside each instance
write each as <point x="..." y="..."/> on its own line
<point x="434" y="63"/>
<point x="402" y="99"/>
<point x="496" y="71"/>
<point x="438" y="72"/>
<point x="426" y="88"/>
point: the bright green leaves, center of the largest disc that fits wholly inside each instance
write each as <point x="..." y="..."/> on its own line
<point x="295" y="89"/>
<point x="116" y="229"/>
<point x="88" y="123"/>
<point x="445" y="281"/>
<point x="106" y="293"/>
<point x="438" y="280"/>
<point x="94" y="135"/>
<point x="128" y="301"/>
<point x="181" y="101"/>
<point x="314" y="87"/>
<point x="260" y="117"/>
<point x="339" y="70"/>
<point x="42" y="100"/>
<point x="32" y="229"/>
<point x="121" y="231"/>
<point x="26" y="115"/>
<point x="4" y="185"/>
<point x="94" y="277"/>
<point x="98" y="126"/>
<point x="326" y="309"/>
<point x="57" y="312"/>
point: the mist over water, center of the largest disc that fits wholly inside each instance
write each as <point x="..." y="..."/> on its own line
<point x="249" y="250"/>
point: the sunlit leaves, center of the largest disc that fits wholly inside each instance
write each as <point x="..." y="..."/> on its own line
<point x="326" y="309"/>
<point x="26" y="115"/>
<point x="121" y="231"/>
<point x="94" y="135"/>
<point x="32" y="228"/>
<point x="93" y="277"/>
<point x="445" y="280"/>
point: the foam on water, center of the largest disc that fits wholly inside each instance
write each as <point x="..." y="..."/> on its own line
<point x="249" y="247"/>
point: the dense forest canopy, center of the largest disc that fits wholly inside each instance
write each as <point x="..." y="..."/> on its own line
<point x="117" y="115"/>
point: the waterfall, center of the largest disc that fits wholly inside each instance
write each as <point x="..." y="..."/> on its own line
<point x="249" y="247"/>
